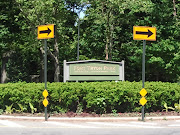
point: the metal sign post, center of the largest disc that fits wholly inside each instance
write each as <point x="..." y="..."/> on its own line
<point x="45" y="71"/>
<point x="45" y="32"/>
<point x="144" y="33"/>
<point x="143" y="72"/>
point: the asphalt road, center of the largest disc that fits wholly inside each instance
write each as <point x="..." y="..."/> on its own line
<point x="29" y="127"/>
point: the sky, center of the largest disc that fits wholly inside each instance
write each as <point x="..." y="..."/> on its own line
<point x="81" y="15"/>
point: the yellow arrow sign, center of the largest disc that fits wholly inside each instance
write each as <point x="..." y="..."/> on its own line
<point x="143" y="101"/>
<point x="144" y="33"/>
<point x="46" y="31"/>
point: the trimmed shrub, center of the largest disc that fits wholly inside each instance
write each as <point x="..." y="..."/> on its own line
<point x="99" y="97"/>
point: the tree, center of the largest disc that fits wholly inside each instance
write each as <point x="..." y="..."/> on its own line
<point x="9" y="33"/>
<point x="106" y="33"/>
<point x="101" y="15"/>
<point x="48" y="12"/>
<point x="163" y="54"/>
<point x="112" y="22"/>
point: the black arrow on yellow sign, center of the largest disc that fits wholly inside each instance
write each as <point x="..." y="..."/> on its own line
<point x="149" y="33"/>
<point x="48" y="31"/>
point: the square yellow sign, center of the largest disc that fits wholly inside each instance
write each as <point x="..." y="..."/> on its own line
<point x="46" y="31"/>
<point x="144" y="33"/>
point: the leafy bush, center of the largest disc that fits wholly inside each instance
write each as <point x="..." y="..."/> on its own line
<point x="177" y="107"/>
<point x="1" y="111"/>
<point x="9" y="109"/>
<point x="99" y="97"/>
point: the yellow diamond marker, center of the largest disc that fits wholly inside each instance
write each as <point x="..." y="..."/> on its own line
<point x="143" y="92"/>
<point x="143" y="101"/>
<point x="45" y="102"/>
<point x="45" y="93"/>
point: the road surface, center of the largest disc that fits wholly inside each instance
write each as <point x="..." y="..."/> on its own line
<point x="40" y="127"/>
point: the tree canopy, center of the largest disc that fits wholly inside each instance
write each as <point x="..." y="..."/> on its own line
<point x="106" y="33"/>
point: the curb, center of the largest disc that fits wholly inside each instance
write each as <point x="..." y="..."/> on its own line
<point x="110" y="119"/>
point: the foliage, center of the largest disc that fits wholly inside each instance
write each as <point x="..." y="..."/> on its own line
<point x="1" y="111"/>
<point x="111" y="22"/>
<point x="105" y="32"/>
<point x="9" y="109"/>
<point x="22" y="109"/>
<point x="99" y="97"/>
<point x="177" y="107"/>
<point x="79" y="108"/>
<point x="166" y="107"/>
<point x="114" y="113"/>
<point x="32" y="108"/>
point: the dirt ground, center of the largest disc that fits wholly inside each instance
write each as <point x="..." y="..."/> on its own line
<point x="83" y="114"/>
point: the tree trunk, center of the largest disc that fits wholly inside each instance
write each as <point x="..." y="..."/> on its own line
<point x="57" y="72"/>
<point x="111" y="42"/>
<point x="107" y="40"/>
<point x="56" y="62"/>
<point x="157" y="76"/>
<point x="109" y="36"/>
<point x="174" y="6"/>
<point x="5" y="59"/>
<point x="55" y="57"/>
<point x="106" y="50"/>
<point x="42" y="65"/>
<point x="3" y="70"/>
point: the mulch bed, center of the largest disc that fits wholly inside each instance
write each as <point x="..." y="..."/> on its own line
<point x="83" y="114"/>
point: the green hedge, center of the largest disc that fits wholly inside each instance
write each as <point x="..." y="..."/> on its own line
<point x="99" y="97"/>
